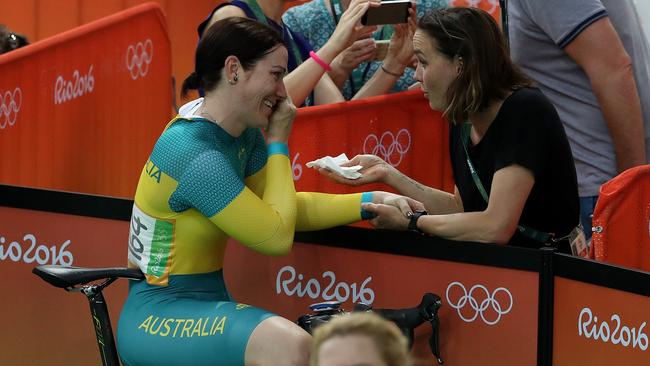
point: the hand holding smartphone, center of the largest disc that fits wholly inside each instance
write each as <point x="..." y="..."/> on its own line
<point x="381" y="49"/>
<point x="389" y="12"/>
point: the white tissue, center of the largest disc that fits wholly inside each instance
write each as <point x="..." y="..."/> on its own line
<point x="334" y="164"/>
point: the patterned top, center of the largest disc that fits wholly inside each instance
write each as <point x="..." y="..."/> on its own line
<point x="314" y="22"/>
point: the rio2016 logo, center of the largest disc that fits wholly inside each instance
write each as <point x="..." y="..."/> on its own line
<point x="35" y="252"/>
<point x="65" y="90"/>
<point x="589" y="327"/>
<point x="286" y="283"/>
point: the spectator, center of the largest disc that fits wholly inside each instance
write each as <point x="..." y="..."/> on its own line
<point x="520" y="188"/>
<point x="354" y="67"/>
<point x="359" y="339"/>
<point x="10" y="41"/>
<point x="571" y="49"/>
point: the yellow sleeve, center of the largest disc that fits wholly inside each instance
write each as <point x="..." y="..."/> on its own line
<point x="317" y="211"/>
<point x="265" y="224"/>
<point x="257" y="182"/>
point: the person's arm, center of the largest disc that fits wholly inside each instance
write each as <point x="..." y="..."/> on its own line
<point x="598" y="50"/>
<point x="510" y="189"/>
<point x="436" y="201"/>
<point x="360" y="51"/>
<point x="376" y="170"/>
<point x="271" y="211"/>
<point x="265" y="224"/>
<point x="301" y="81"/>
<point x="399" y="56"/>
<point x="318" y="211"/>
<point x="327" y="92"/>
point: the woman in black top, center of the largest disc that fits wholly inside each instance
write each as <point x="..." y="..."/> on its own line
<point x="524" y="189"/>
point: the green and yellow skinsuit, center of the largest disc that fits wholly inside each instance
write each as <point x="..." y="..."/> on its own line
<point x="200" y="187"/>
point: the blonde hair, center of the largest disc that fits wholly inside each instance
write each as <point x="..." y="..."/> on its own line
<point x="391" y="343"/>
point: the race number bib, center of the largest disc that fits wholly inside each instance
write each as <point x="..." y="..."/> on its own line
<point x="150" y="243"/>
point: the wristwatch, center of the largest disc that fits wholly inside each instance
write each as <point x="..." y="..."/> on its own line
<point x="413" y="221"/>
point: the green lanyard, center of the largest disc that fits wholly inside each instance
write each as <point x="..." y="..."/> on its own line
<point x="531" y="233"/>
<point x="358" y="76"/>
<point x="259" y="14"/>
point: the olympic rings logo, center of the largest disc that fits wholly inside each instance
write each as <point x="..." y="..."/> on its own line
<point x="138" y="58"/>
<point x="389" y="147"/>
<point x="489" y="304"/>
<point x="11" y="102"/>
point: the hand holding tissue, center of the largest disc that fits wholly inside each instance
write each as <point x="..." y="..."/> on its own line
<point x="334" y="165"/>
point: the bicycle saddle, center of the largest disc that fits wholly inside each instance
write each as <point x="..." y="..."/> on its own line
<point x="67" y="277"/>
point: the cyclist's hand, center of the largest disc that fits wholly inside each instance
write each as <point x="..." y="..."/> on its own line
<point x="281" y="120"/>
<point x="405" y="204"/>
<point x="387" y="217"/>
<point x="374" y="170"/>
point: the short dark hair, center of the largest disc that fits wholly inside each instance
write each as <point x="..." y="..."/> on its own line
<point x="487" y="72"/>
<point x="244" y="38"/>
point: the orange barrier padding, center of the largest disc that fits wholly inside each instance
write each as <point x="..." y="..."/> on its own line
<point x="599" y="325"/>
<point x="622" y="220"/>
<point x="313" y="273"/>
<point x="81" y="111"/>
<point x="39" y="19"/>
<point x="490" y="6"/>
<point x="41" y="324"/>
<point x="400" y="128"/>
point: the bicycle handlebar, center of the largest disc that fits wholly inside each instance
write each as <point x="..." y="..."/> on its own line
<point x="406" y="319"/>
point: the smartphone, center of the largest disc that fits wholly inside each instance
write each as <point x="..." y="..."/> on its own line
<point x="382" y="49"/>
<point x="389" y="12"/>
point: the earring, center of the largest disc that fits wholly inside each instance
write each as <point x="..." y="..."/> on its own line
<point x="234" y="79"/>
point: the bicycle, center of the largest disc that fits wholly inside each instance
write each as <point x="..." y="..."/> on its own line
<point x="79" y="279"/>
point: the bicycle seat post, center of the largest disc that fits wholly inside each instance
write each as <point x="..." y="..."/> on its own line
<point x="101" y="321"/>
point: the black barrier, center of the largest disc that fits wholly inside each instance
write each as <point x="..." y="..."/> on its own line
<point x="65" y="202"/>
